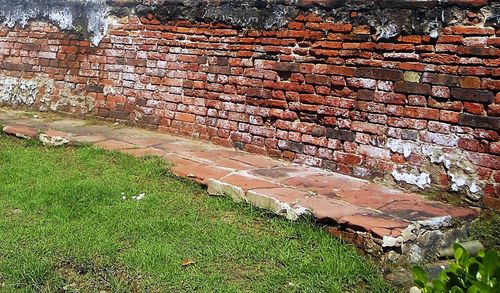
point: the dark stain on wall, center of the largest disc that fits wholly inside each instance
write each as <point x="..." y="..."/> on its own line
<point x="388" y="19"/>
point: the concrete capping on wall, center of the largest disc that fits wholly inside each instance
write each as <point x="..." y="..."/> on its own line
<point x="391" y="18"/>
<point x="309" y="3"/>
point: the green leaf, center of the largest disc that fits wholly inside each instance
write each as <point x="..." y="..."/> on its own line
<point x="458" y="250"/>
<point x="473" y="270"/>
<point x="419" y="276"/>
<point x="456" y="289"/>
<point x="439" y="285"/>
<point x="443" y="277"/>
<point x="490" y="262"/>
<point x="482" y="287"/>
<point x="428" y="289"/>
<point x="473" y="289"/>
<point x="461" y="254"/>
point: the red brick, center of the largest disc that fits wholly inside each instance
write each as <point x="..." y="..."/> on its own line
<point x="470" y="82"/>
<point x="368" y="127"/>
<point x="450" y="39"/>
<point x="473" y="30"/>
<point x="486" y="134"/>
<point x="468" y="144"/>
<point x="494" y="110"/>
<point x="348" y="159"/>
<point x="389" y="98"/>
<point x="275" y="92"/>
<point x="491" y="84"/>
<point x="375" y="152"/>
<point x="336" y="27"/>
<point x="185" y="117"/>
<point x="21" y="131"/>
<point x="466" y="3"/>
<point x="477" y="51"/>
<point x="318" y="79"/>
<point x="440" y="79"/>
<point x="440" y="92"/>
<point x="422" y="113"/>
<point x="495" y="148"/>
<point x="438" y="127"/>
<point x="474" y="108"/>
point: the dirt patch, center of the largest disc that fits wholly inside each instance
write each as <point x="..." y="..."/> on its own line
<point x="94" y="278"/>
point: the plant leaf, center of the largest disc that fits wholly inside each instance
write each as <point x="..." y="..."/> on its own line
<point x="419" y="276"/>
<point x="490" y="262"/>
<point x="461" y="254"/>
<point x="456" y="289"/>
<point x="473" y="289"/>
<point x="439" y="285"/>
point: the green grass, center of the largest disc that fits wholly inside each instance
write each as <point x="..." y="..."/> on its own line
<point x="64" y="226"/>
<point x="485" y="229"/>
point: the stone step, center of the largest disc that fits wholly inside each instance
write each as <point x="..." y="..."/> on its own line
<point x="379" y="219"/>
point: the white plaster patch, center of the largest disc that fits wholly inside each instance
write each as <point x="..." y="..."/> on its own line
<point x="98" y="24"/>
<point x="460" y="171"/>
<point x="52" y="140"/>
<point x="63" y="17"/>
<point x="400" y="146"/>
<point x="422" y="180"/>
<point x="38" y="91"/>
<point x="15" y="91"/>
<point x="436" y="222"/>
<point x="389" y="241"/>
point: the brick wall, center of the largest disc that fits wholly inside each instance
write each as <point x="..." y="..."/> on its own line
<point x="417" y="110"/>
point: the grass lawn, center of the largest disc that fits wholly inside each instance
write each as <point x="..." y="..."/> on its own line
<point x="65" y="226"/>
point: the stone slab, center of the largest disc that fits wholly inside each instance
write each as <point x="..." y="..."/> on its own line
<point x="115" y="145"/>
<point x="21" y="131"/>
<point x="144" y="152"/>
<point x="353" y="208"/>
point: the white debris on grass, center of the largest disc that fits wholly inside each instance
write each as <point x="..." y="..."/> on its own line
<point x="135" y="197"/>
<point x="139" y="197"/>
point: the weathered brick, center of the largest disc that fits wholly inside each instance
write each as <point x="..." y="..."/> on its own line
<point x="440" y="92"/>
<point x="339" y="134"/>
<point x="439" y="127"/>
<point x="480" y="96"/>
<point x="374" y="152"/>
<point x="347" y="158"/>
<point x="423" y="113"/>
<point x="318" y="79"/>
<point x="368" y="127"/>
<point x="412" y="88"/>
<point x="365" y="95"/>
<point x="468" y="144"/>
<point x="472" y="30"/>
<point x="440" y="79"/>
<point x="470" y="82"/>
<point x="291" y="146"/>
<point x="480" y="121"/>
<point x="258" y="93"/>
<point x="380" y="73"/>
<point x="389" y="98"/>
<point x="477" y="51"/>
<point x="474" y="108"/>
